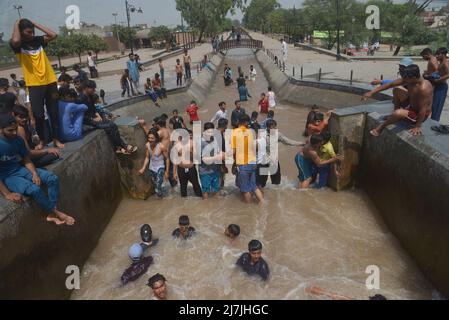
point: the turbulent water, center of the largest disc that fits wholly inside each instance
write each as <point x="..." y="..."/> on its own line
<point x="312" y="237"/>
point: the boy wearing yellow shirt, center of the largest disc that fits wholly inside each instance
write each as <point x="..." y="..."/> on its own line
<point x="327" y="152"/>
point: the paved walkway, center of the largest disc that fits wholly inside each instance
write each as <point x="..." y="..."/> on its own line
<point x="364" y="71"/>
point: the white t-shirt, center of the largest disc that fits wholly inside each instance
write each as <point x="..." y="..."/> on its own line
<point x="220" y="115"/>
<point x="271" y="99"/>
<point x="284" y="50"/>
<point x="253" y="74"/>
<point x="90" y="61"/>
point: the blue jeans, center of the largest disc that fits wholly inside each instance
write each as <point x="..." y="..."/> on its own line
<point x="324" y="173"/>
<point x="21" y="181"/>
<point x="158" y="179"/>
<point x="439" y="98"/>
<point x="247" y="178"/>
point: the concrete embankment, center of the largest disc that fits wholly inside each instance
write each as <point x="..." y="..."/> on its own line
<point x="34" y="255"/>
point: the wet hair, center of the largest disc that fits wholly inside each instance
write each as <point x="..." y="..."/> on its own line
<point x="223" y="123"/>
<point x="234" y="230"/>
<point x="244" y="118"/>
<point x="7" y="120"/>
<point x="25" y="24"/>
<point x="254" y="245"/>
<point x="90" y="84"/>
<point x="161" y="122"/>
<point x="19" y="110"/>
<point x="442" y="51"/>
<point x="378" y="297"/>
<point x="411" y="72"/>
<point x="270" y="114"/>
<point x="154" y="133"/>
<point x="4" y="83"/>
<point x="156" y="278"/>
<point x="326" y="136"/>
<point x="221" y="104"/>
<point x="209" y="125"/>
<point x="426" y="51"/>
<point x="254" y="115"/>
<point x="237" y="102"/>
<point x="184" y="221"/>
<point x="316" y="139"/>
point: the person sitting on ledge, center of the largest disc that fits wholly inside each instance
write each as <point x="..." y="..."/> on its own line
<point x="139" y="266"/>
<point x="252" y="262"/>
<point x="71" y="115"/>
<point x="17" y="180"/>
<point x="413" y="105"/>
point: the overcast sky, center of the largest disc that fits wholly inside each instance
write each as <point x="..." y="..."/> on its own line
<point x="52" y="12"/>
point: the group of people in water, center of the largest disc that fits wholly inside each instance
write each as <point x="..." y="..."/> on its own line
<point x="250" y="262"/>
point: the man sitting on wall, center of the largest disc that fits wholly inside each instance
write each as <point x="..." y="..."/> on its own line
<point x="414" y="106"/>
<point x="19" y="177"/>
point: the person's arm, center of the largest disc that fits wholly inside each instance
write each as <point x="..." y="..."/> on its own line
<point x="30" y="166"/>
<point x="167" y="161"/>
<point x="444" y="77"/>
<point x="146" y="161"/>
<point x="321" y="163"/>
<point x="16" y="197"/>
<point x="16" y="39"/>
<point x="215" y="118"/>
<point x="396" y="83"/>
<point x="289" y="142"/>
<point x="33" y="153"/>
<point x="144" y="126"/>
<point x="421" y="105"/>
<point x="49" y="34"/>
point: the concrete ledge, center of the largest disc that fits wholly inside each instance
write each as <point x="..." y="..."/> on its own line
<point x="322" y="51"/>
<point x="33" y="253"/>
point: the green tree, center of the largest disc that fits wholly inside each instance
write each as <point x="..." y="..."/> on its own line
<point x="127" y="35"/>
<point x="61" y="47"/>
<point x="256" y="14"/>
<point x="96" y="44"/>
<point x="204" y="15"/>
<point x="79" y="44"/>
<point x="160" y="33"/>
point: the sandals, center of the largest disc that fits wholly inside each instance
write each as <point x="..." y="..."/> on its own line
<point x="128" y="151"/>
<point x="442" y="129"/>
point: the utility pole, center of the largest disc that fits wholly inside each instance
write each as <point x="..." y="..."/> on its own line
<point x="130" y="8"/>
<point x="18" y="8"/>
<point x="118" y="33"/>
<point x="338" y="30"/>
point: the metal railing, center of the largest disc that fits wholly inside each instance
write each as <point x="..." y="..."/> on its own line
<point x="243" y="43"/>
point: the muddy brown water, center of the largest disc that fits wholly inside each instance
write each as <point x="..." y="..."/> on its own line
<point x="313" y="237"/>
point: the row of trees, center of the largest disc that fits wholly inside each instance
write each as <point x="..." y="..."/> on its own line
<point x="71" y="44"/>
<point x="401" y="21"/>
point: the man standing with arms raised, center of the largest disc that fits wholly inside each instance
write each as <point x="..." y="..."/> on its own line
<point x="39" y="75"/>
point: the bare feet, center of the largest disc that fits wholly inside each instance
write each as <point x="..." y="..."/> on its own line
<point x="65" y="218"/>
<point x="375" y="132"/>
<point x="55" y="220"/>
<point x="58" y="144"/>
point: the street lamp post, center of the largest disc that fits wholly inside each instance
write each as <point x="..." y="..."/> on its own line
<point x="131" y="8"/>
<point x="118" y="32"/>
<point x="338" y="30"/>
<point x="18" y="8"/>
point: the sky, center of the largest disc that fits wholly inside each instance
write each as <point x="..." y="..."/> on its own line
<point x="52" y="12"/>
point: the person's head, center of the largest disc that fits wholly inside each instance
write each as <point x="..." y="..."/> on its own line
<point x="426" y="54"/>
<point x="146" y="233"/>
<point x="89" y="53"/>
<point x="63" y="70"/>
<point x="184" y="225"/>
<point x="251" y="67"/>
<point x="126" y="72"/>
<point x="186" y="51"/>
<point x="326" y="136"/>
<point x="269" y="89"/>
<point x="254" y="116"/>
<point x="136" y="56"/>
<point x="175" y="113"/>
<point x="13" y="76"/>
<point x="8" y="126"/>
<point x="222" y="105"/>
<point x="77" y="84"/>
<point x="404" y="63"/>
<point x="178" y="61"/>
<point x="238" y="104"/>
<point x="315" y="108"/>
<point x="27" y="30"/>
<point x="319" y="117"/>
<point x="157" y="76"/>
<point x="149" y="81"/>
<point x="21" y="114"/>
<point x="22" y="84"/>
<point x="160" y="60"/>
<point x="263" y="96"/>
<point x="131" y="57"/>
<point x="271" y="124"/>
<point x="4" y="84"/>
<point x="378" y="297"/>
<point x="64" y="93"/>
<point x="316" y="141"/>
<point x="411" y="74"/>
<point x="163" y="117"/>
<point x="441" y="54"/>
<point x="77" y="68"/>
<point x="244" y="120"/>
<point x="162" y="123"/>
<point x="223" y="124"/>
<point x="89" y="87"/>
<point x="255" y="250"/>
<point x="153" y="137"/>
<point x="209" y="128"/>
<point x="135" y="253"/>
<point x="232" y="231"/>
<point x="270" y="114"/>
<point x="157" y="283"/>
<point x="193" y="103"/>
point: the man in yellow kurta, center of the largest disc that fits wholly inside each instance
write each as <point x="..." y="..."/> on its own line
<point x="39" y="75"/>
